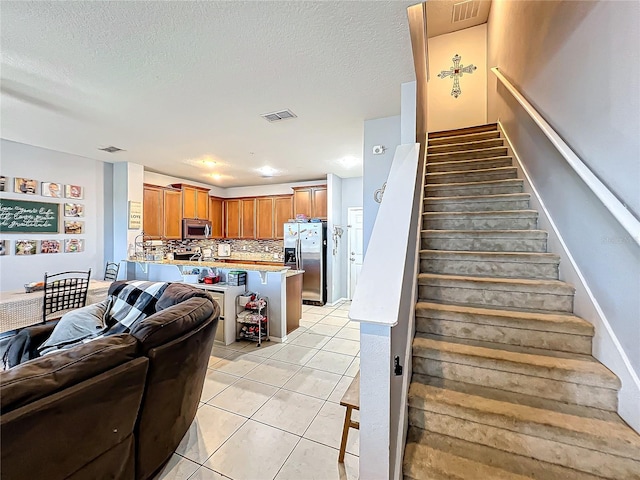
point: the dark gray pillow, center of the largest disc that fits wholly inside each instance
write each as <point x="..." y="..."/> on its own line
<point x="77" y="325"/>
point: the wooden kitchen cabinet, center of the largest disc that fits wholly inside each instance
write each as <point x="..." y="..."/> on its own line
<point x="216" y="216"/>
<point x="172" y="214"/>
<point x="282" y="212"/>
<point x="248" y="218"/>
<point x="233" y="214"/>
<point x="162" y="212"/>
<point x="153" y="211"/>
<point x="310" y="201"/>
<point x="195" y="201"/>
<point x="264" y="217"/>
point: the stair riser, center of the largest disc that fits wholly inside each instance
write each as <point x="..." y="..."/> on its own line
<point x="463" y="146"/>
<point x="487" y="176"/>
<point x="486" y="297"/>
<point x="491" y="127"/>
<point x="476" y="137"/>
<point x="521" y="337"/>
<point x="471" y="155"/>
<point x="445" y="190"/>
<point x="582" y="459"/>
<point x="520" y="465"/>
<point x="486" y="268"/>
<point x="563" y="391"/>
<point x="459" y="166"/>
<point x="471" y="206"/>
<point x="484" y="222"/>
<point x="485" y="244"/>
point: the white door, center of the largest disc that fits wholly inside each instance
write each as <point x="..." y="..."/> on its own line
<point x="354" y="243"/>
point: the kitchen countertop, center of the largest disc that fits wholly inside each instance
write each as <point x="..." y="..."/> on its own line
<point x="233" y="266"/>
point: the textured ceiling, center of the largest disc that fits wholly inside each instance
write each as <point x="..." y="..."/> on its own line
<point x="176" y="82"/>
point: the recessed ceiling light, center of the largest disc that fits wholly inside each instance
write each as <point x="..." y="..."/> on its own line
<point x="111" y="149"/>
<point x="267" y="171"/>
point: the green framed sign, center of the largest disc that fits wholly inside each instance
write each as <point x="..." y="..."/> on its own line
<point x="18" y="216"/>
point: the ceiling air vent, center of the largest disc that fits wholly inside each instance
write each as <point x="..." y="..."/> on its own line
<point x="465" y="10"/>
<point x="277" y="116"/>
<point x="111" y="149"/>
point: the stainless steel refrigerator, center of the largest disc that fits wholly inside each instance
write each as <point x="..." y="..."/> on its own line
<point x="305" y="248"/>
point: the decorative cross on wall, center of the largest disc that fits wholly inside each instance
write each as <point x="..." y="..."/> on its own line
<point x="456" y="72"/>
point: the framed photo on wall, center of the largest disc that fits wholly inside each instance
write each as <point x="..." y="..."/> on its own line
<point x="51" y="189"/>
<point x="3" y="183"/>
<point x="73" y="210"/>
<point x="4" y="247"/>
<point x="26" y="247"/>
<point x="74" y="191"/>
<point x="74" y="245"/>
<point x="73" y="227"/>
<point x="50" y="246"/>
<point x="25" y="185"/>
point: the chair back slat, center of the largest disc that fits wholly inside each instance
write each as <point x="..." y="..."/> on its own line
<point x="111" y="271"/>
<point x="64" y="291"/>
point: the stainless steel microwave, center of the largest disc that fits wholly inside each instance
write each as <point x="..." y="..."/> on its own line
<point x="195" y="229"/>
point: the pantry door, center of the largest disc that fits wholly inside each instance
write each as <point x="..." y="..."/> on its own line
<point x="355" y="247"/>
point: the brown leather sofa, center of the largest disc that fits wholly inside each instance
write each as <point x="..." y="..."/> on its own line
<point x="113" y="408"/>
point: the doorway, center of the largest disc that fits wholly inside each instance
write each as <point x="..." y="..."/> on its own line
<point x="355" y="246"/>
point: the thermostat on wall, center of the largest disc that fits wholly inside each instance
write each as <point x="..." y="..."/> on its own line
<point x="379" y="149"/>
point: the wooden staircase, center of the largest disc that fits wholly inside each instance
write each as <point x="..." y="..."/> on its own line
<point x="504" y="386"/>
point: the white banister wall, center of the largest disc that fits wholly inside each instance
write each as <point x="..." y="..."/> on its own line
<point x="380" y="302"/>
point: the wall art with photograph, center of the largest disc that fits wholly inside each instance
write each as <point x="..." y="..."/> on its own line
<point x="26" y="247"/>
<point x="73" y="210"/>
<point x="51" y="189"/>
<point x="25" y="185"/>
<point x="73" y="191"/>
<point x="74" y="245"/>
<point x="50" y="246"/>
<point x="3" y="183"/>
<point x="73" y="227"/>
<point x="4" y="247"/>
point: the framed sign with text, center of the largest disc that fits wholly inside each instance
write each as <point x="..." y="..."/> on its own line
<point x="21" y="216"/>
<point x="135" y="215"/>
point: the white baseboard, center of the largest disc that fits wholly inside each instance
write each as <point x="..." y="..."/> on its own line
<point x="606" y="346"/>
<point x="342" y="299"/>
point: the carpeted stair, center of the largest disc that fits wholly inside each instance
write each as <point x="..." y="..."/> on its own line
<point x="504" y="386"/>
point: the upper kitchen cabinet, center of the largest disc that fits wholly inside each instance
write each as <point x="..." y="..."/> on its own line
<point x="162" y="212"/>
<point x="310" y="201"/>
<point x="264" y="217"/>
<point x="172" y="214"/>
<point x="233" y="215"/>
<point x="195" y="201"/>
<point x="216" y="216"/>
<point x="248" y="218"/>
<point x="153" y="211"/>
<point x="282" y="212"/>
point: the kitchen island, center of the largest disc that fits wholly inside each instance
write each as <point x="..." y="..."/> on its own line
<point x="267" y="280"/>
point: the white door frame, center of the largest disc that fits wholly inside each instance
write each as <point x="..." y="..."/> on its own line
<point x="350" y="239"/>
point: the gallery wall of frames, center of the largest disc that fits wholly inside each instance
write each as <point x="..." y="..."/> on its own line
<point x="48" y="207"/>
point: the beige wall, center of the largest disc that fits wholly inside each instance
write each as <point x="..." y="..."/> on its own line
<point x="444" y="111"/>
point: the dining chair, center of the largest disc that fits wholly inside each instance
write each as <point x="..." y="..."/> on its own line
<point x="111" y="271"/>
<point x="64" y="291"/>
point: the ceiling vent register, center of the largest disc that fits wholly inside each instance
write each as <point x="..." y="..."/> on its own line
<point x="111" y="149"/>
<point x="465" y="10"/>
<point x="278" y="116"/>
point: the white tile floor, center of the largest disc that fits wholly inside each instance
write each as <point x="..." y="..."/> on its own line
<point x="274" y="412"/>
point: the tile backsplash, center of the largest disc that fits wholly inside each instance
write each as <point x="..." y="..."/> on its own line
<point x="240" y="249"/>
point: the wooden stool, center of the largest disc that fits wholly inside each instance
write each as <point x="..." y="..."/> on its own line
<point x="351" y="400"/>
